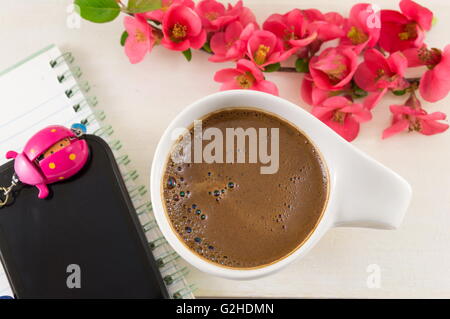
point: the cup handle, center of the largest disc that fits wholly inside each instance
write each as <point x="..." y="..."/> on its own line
<point x="370" y="194"/>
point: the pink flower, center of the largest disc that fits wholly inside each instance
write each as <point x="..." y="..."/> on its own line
<point x="310" y="93"/>
<point x="213" y="15"/>
<point x="244" y="14"/>
<point x="333" y="69"/>
<point x="245" y="76"/>
<point x="158" y="15"/>
<point x="415" y="56"/>
<point x="377" y="72"/>
<point x="400" y="31"/>
<point x="412" y="117"/>
<point x="435" y="83"/>
<point x="264" y="48"/>
<point x="231" y="44"/>
<point x="328" y="26"/>
<point x="140" y="39"/>
<point x="182" y="29"/>
<point x="343" y="116"/>
<point x="360" y="30"/>
<point x="291" y="28"/>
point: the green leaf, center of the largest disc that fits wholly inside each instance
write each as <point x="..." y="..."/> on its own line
<point x="138" y="6"/>
<point x="123" y="38"/>
<point x="207" y="47"/>
<point x="272" y="67"/>
<point x="187" y="54"/>
<point x="358" y="92"/>
<point x="302" y="65"/>
<point x="334" y="93"/>
<point x="399" y="92"/>
<point x="98" y="11"/>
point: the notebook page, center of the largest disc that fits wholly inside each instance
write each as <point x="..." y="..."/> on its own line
<point x="31" y="98"/>
<point x="5" y="289"/>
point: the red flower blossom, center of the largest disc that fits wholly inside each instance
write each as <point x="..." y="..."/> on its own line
<point x="378" y="72"/>
<point x="246" y="76"/>
<point x="435" y="83"/>
<point x="214" y="15"/>
<point x="400" y="31"/>
<point x="411" y="117"/>
<point x="310" y="93"/>
<point x="231" y="44"/>
<point x="291" y="28"/>
<point x="343" y="116"/>
<point x="140" y="39"/>
<point x="182" y="29"/>
<point x="264" y="48"/>
<point x="333" y="69"/>
<point x="360" y="31"/>
<point x="244" y="14"/>
<point x="328" y="26"/>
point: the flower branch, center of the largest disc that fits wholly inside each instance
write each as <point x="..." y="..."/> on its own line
<point x="389" y="41"/>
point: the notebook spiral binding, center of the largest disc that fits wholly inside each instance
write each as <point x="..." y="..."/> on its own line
<point x="166" y="258"/>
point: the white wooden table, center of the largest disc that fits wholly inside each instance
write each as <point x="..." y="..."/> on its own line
<point x="140" y="101"/>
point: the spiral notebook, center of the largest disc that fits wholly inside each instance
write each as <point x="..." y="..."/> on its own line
<point x="46" y="89"/>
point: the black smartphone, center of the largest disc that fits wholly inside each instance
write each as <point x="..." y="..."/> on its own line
<point x="83" y="241"/>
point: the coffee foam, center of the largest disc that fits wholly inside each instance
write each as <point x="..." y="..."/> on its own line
<point x="232" y="215"/>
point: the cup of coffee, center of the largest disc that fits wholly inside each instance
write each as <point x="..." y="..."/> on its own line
<point x="243" y="183"/>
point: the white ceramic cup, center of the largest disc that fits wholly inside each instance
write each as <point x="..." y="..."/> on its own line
<point x="362" y="192"/>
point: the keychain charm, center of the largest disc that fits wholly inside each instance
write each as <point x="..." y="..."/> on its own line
<point x="51" y="155"/>
<point x="7" y="190"/>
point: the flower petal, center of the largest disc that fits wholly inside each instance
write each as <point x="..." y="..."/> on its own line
<point x="372" y="100"/>
<point x="249" y="66"/>
<point x="135" y="50"/>
<point x="349" y="129"/>
<point x="336" y="102"/>
<point x="395" y="128"/>
<point x="434" y="88"/>
<point x="198" y="41"/>
<point x="321" y="112"/>
<point x="418" y="13"/>
<point x="412" y="55"/>
<point x="225" y="75"/>
<point x="397" y="63"/>
<point x="266" y="86"/>
<point x="365" y="78"/>
<point x="431" y="127"/>
<point x="217" y="43"/>
<point x="230" y="85"/>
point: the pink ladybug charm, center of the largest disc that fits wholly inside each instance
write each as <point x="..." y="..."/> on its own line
<point x="51" y="155"/>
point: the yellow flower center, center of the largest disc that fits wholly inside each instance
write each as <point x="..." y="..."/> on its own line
<point x="414" y="125"/>
<point x="339" y="117"/>
<point x="245" y="81"/>
<point x="261" y="54"/>
<point x="289" y="34"/>
<point x="356" y="35"/>
<point x="409" y="32"/>
<point x="211" y="16"/>
<point x="335" y="75"/>
<point x="431" y="57"/>
<point x="140" y="36"/>
<point x="178" y="32"/>
<point x="380" y="74"/>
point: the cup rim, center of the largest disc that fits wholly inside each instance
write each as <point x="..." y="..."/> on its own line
<point x="162" y="151"/>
